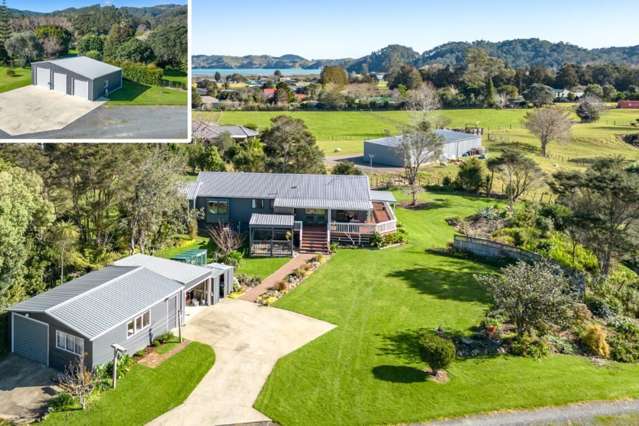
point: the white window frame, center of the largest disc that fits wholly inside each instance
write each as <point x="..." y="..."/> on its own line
<point x="257" y="203"/>
<point x="134" y="320"/>
<point x="67" y="336"/>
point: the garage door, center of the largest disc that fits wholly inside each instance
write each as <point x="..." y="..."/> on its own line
<point x="30" y="339"/>
<point x="81" y="88"/>
<point x="43" y="77"/>
<point x="60" y="82"/>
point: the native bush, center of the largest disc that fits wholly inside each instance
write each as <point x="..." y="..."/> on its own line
<point x="529" y="346"/>
<point x="594" y="340"/>
<point x="143" y="74"/>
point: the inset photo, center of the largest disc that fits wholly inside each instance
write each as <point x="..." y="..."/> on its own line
<point x="71" y="70"/>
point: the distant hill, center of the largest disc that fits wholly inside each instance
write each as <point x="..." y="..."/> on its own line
<point x="517" y="53"/>
<point x="263" y="61"/>
<point x="151" y="13"/>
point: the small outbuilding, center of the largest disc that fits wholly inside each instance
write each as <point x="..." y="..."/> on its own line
<point x="387" y="151"/>
<point x="78" y="76"/>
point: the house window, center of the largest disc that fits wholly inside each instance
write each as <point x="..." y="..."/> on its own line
<point x="258" y="204"/>
<point x="138" y="324"/>
<point x="69" y="343"/>
<point x="219" y="207"/>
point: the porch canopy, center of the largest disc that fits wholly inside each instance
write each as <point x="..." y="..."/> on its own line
<point x="271" y="234"/>
<point x="307" y="203"/>
<point x="383" y="196"/>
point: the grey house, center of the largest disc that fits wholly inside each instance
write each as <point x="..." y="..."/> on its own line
<point x="128" y="303"/>
<point x="209" y="132"/>
<point x="387" y="151"/>
<point x="77" y="76"/>
<point x="284" y="212"/>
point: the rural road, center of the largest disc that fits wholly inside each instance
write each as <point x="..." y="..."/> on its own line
<point x="584" y="413"/>
<point x="122" y="122"/>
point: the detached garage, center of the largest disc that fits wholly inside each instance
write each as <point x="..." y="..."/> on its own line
<point x="77" y="76"/>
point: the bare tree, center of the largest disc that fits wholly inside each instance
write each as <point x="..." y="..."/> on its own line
<point x="225" y="239"/>
<point x="521" y="174"/>
<point x="549" y="124"/>
<point x="423" y="99"/>
<point x="419" y="145"/>
<point x="78" y="381"/>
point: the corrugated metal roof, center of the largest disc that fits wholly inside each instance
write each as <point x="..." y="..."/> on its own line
<point x="290" y="190"/>
<point x="107" y="306"/>
<point x="84" y="66"/>
<point x="190" y="190"/>
<point x="71" y="289"/>
<point x="208" y="131"/>
<point x="305" y="203"/>
<point x="383" y="196"/>
<point x="449" y="136"/>
<point x="277" y="220"/>
<point x="183" y="273"/>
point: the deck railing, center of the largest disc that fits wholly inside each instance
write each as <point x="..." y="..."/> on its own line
<point x="367" y="228"/>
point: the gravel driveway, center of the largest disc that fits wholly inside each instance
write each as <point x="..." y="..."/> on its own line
<point x="248" y="339"/>
<point x="121" y="122"/>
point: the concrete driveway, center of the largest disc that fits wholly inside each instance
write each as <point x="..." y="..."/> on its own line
<point x="248" y="339"/>
<point x="25" y="388"/>
<point x="34" y="109"/>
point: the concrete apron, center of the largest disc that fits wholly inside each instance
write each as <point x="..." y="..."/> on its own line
<point x="248" y="340"/>
<point x="33" y="109"/>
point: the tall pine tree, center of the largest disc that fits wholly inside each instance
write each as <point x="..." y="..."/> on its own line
<point x="5" y="28"/>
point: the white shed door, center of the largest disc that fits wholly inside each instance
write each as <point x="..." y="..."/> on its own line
<point x="60" y="82"/>
<point x="43" y="77"/>
<point x="81" y="88"/>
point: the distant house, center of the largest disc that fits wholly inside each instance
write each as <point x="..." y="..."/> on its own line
<point x="201" y="91"/>
<point x="209" y="103"/>
<point x="387" y="151"/>
<point x="210" y="131"/>
<point x="628" y="104"/>
<point x="269" y="92"/>
<point x="286" y="212"/>
<point x="129" y="303"/>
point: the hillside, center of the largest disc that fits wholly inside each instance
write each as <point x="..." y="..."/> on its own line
<point x="263" y="61"/>
<point x="517" y="53"/>
<point x="151" y="13"/>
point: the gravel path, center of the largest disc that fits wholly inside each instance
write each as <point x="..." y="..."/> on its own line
<point x="584" y="412"/>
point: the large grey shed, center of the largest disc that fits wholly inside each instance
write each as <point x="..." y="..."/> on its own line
<point x="79" y="76"/>
<point x="387" y="151"/>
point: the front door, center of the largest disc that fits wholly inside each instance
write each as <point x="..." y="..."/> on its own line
<point x="315" y="217"/>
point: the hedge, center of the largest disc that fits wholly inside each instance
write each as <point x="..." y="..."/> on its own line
<point x="143" y="74"/>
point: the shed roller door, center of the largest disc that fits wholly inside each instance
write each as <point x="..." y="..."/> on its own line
<point x="81" y="88"/>
<point x="60" y="82"/>
<point x="43" y="77"/>
<point x="31" y="339"/>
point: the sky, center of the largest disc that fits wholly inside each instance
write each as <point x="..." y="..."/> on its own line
<point x="51" y="5"/>
<point x="323" y="29"/>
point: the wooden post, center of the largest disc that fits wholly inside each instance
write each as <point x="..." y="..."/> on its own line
<point x="115" y="368"/>
<point x="179" y="323"/>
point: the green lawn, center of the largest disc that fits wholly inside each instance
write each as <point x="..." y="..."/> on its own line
<point x="361" y="372"/>
<point x="22" y="78"/>
<point x="145" y="393"/>
<point x="186" y="244"/>
<point x="175" y="76"/>
<point x="347" y="130"/>
<point x="261" y="266"/>
<point x="138" y="94"/>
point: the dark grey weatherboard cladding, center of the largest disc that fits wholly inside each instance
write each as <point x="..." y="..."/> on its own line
<point x="30" y="338"/>
<point x="80" y="73"/>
